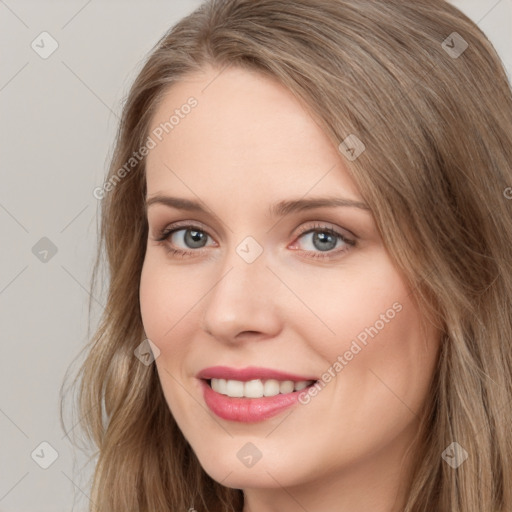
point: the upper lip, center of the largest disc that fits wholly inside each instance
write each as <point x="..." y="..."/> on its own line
<point x="248" y="373"/>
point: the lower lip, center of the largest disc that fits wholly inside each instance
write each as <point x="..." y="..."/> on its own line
<point x="247" y="410"/>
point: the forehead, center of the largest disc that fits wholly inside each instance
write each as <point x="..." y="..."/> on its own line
<point x="246" y="134"/>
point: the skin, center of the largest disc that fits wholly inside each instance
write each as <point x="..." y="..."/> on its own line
<point x="247" y="145"/>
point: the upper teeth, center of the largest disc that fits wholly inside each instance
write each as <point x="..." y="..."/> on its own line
<point x="257" y="388"/>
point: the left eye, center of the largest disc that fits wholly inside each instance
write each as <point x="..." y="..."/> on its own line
<point x="323" y="240"/>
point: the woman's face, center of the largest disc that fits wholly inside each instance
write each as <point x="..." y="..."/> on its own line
<point x="269" y="279"/>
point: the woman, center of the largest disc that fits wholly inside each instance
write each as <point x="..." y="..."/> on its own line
<point x="307" y="222"/>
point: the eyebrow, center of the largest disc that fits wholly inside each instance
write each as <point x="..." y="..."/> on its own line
<point x="279" y="209"/>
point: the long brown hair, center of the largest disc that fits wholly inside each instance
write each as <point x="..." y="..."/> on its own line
<point x="422" y="87"/>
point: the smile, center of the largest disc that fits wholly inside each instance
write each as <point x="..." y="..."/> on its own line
<point x="257" y="388"/>
<point x="246" y="409"/>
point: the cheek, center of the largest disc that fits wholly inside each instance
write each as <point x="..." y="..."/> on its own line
<point x="359" y="300"/>
<point x="167" y="311"/>
<point x="167" y="298"/>
<point x="385" y="365"/>
<point x="366" y="328"/>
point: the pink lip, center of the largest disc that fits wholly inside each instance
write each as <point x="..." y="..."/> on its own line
<point x="247" y="410"/>
<point x="249" y="373"/>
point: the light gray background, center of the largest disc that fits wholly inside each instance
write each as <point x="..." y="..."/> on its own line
<point x="58" y="120"/>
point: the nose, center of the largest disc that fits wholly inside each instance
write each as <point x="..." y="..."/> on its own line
<point x="244" y="303"/>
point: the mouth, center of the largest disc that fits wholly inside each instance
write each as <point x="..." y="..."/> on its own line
<point x="257" y="388"/>
<point x="253" y="393"/>
<point x="246" y="402"/>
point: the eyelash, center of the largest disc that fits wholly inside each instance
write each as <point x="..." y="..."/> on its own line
<point x="164" y="235"/>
